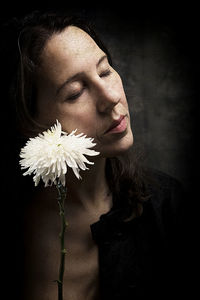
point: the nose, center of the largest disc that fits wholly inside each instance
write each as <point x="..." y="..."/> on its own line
<point x="107" y="97"/>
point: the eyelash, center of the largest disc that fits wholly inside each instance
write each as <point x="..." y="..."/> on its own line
<point x="105" y="73"/>
<point x="77" y="95"/>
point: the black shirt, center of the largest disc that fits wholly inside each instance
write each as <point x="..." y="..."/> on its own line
<point x="145" y="257"/>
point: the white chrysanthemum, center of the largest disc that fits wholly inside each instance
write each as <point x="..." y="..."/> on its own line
<point x="48" y="155"/>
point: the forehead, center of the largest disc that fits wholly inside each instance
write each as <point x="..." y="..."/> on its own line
<point x="72" y="39"/>
<point x="71" y="49"/>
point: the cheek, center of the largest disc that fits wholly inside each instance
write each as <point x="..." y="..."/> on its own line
<point x="82" y="118"/>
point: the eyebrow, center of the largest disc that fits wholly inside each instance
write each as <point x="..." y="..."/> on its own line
<point x="75" y="76"/>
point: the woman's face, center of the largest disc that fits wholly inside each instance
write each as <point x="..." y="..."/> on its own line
<point x="77" y="86"/>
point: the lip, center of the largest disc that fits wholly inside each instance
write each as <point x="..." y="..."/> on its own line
<point x="118" y="126"/>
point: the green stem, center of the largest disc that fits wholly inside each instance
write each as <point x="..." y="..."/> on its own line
<point x="61" y="203"/>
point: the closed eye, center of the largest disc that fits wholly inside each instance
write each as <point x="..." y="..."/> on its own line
<point x="105" y="73"/>
<point x="75" y="96"/>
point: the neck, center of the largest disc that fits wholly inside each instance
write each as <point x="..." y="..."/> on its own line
<point x="91" y="188"/>
<point x="89" y="192"/>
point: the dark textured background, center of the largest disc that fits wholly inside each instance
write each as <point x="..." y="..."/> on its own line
<point x="155" y="51"/>
<point x="157" y="64"/>
<point x="156" y="61"/>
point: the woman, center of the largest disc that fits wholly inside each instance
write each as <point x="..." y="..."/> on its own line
<point x="124" y="233"/>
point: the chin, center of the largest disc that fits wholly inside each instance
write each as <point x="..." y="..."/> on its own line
<point x="118" y="147"/>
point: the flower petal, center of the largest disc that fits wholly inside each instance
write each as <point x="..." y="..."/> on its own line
<point x="48" y="155"/>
